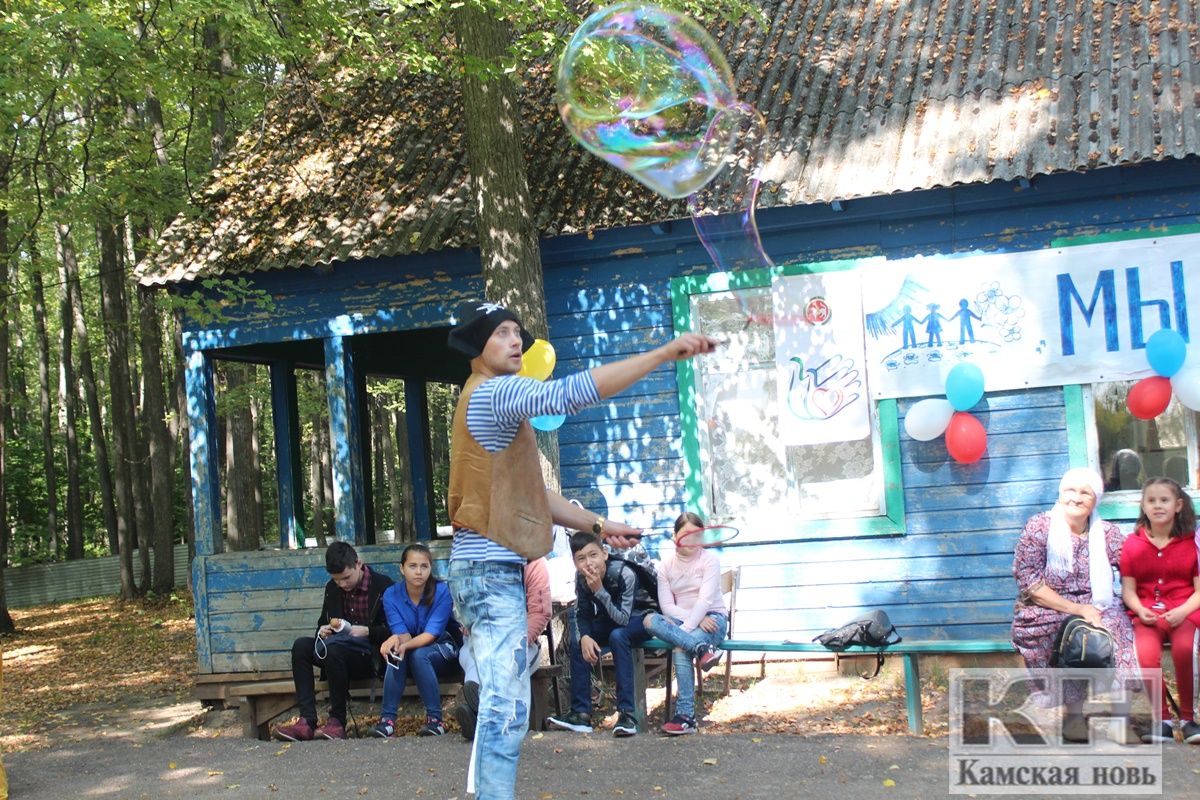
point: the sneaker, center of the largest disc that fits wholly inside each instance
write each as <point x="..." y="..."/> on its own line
<point x="332" y="729"/>
<point x="433" y="727"/>
<point x="1191" y="733"/>
<point x="680" y="726"/>
<point x="385" y="728"/>
<point x="708" y="656"/>
<point x="626" y="725"/>
<point x="575" y="721"/>
<point x="467" y="710"/>
<point x="1166" y="733"/>
<point x="299" y="731"/>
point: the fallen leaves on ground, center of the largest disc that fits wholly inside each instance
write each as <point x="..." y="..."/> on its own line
<point x="793" y="699"/>
<point x="93" y="654"/>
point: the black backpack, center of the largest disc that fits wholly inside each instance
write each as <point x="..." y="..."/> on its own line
<point x="646" y="577"/>
<point x="872" y="629"/>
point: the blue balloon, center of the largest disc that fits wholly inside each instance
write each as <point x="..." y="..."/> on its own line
<point x="549" y="422"/>
<point x="1166" y="351"/>
<point x="964" y="386"/>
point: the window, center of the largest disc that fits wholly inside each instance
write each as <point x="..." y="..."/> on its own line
<point x="737" y="470"/>
<point x="1126" y="450"/>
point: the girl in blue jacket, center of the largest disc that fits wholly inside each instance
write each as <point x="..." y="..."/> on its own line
<point x="424" y="642"/>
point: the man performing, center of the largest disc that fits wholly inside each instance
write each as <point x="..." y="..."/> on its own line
<point x="502" y="513"/>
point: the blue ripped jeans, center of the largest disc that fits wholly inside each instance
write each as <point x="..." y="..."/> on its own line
<point x="489" y="597"/>
<point x="668" y="629"/>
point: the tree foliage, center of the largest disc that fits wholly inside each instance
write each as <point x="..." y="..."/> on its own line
<point x="107" y="113"/>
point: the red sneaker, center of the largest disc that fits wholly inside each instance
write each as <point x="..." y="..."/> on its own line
<point x="708" y="656"/>
<point x="680" y="726"/>
<point x="332" y="729"/>
<point x="299" y="731"/>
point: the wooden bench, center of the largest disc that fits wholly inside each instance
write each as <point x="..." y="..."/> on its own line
<point x="911" y="650"/>
<point x="263" y="701"/>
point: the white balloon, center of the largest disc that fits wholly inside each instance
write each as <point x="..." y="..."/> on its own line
<point x="1185" y="385"/>
<point x="927" y="419"/>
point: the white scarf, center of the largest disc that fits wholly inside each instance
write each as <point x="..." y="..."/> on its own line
<point x="1060" y="554"/>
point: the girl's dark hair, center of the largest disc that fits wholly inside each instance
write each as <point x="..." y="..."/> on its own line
<point x="688" y="518"/>
<point x="1185" y="520"/>
<point x="430" y="587"/>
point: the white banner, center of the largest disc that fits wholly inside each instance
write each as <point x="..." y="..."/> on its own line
<point x="1042" y="318"/>
<point x="819" y="354"/>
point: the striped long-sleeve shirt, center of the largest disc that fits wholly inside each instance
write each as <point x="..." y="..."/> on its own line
<point x="495" y="411"/>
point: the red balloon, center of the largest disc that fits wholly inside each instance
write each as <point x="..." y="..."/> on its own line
<point x="966" y="440"/>
<point x="1149" y="397"/>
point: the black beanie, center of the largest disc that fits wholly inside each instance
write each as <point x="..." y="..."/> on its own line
<point x="476" y="322"/>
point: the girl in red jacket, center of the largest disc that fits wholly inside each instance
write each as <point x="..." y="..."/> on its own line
<point x="1161" y="589"/>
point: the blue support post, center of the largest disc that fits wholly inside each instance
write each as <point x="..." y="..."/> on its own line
<point x="416" y="417"/>
<point x="285" y="416"/>
<point x="912" y="693"/>
<point x="341" y="388"/>
<point x="204" y="448"/>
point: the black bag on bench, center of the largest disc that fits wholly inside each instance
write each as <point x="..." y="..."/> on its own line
<point x="873" y="629"/>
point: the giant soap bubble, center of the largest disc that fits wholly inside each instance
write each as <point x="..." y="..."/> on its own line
<point x="647" y="90"/>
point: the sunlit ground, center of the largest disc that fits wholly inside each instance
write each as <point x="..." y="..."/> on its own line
<point x="88" y="652"/>
<point x="82" y="661"/>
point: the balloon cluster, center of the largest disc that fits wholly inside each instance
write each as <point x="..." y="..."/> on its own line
<point x="538" y="362"/>
<point x="1166" y="351"/>
<point x="966" y="439"/>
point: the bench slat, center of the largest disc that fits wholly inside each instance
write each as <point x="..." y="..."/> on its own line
<point x="921" y="646"/>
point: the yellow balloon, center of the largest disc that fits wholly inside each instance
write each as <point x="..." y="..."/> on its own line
<point x="538" y="361"/>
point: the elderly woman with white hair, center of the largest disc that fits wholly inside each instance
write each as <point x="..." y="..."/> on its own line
<point x="1065" y="564"/>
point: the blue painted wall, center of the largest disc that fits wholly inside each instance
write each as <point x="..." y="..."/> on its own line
<point x="608" y="295"/>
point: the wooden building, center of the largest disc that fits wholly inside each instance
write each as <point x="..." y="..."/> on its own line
<point x="903" y="136"/>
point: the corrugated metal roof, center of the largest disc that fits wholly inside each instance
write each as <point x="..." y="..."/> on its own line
<point x="861" y="98"/>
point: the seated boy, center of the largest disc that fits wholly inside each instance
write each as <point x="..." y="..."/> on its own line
<point x="610" y="606"/>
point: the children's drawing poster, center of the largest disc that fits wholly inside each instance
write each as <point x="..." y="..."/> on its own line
<point x="820" y="379"/>
<point x="1042" y="318"/>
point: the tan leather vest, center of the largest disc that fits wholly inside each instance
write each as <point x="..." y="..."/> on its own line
<point x="500" y="495"/>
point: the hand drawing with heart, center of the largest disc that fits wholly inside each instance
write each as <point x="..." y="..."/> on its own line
<point x="820" y="393"/>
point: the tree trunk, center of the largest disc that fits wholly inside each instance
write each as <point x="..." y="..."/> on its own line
<point x="378" y="480"/>
<point x="241" y="445"/>
<point x="68" y="390"/>
<point x="315" y="490"/>
<point x="139" y="462"/>
<point x="327" y="502"/>
<point x="47" y="411"/>
<point x="114" y="308"/>
<point x="387" y="451"/>
<point x="184" y="433"/>
<point x="403" y="482"/>
<point x="69" y="275"/>
<point x="508" y="242"/>
<point x="18" y="397"/>
<point x="158" y="440"/>
<point x="6" y="620"/>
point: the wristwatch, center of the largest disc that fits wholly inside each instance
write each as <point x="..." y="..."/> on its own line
<point x="598" y="526"/>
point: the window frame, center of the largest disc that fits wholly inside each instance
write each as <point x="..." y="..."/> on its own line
<point x="1083" y="447"/>
<point x="891" y="522"/>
